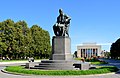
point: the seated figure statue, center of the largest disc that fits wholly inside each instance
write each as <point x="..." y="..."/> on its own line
<point x="62" y="25"/>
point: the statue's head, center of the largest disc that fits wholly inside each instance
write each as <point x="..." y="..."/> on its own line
<point x="61" y="11"/>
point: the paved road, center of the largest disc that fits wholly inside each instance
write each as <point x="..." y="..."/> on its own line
<point x="113" y="62"/>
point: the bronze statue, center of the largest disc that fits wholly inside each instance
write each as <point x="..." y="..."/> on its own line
<point x="62" y="25"/>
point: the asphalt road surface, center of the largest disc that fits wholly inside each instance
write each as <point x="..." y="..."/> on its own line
<point x="112" y="62"/>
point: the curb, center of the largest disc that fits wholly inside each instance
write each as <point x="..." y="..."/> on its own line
<point x="4" y="71"/>
<point x="100" y="74"/>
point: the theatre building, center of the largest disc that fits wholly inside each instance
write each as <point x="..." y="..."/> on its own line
<point x="88" y="50"/>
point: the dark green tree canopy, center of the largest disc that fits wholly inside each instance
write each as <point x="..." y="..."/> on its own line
<point x="17" y="40"/>
<point x="115" y="49"/>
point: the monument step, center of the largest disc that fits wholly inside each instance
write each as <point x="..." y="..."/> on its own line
<point x="55" y="65"/>
<point x="57" y="61"/>
<point x="53" y="68"/>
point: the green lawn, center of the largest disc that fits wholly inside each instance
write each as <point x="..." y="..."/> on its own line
<point x="22" y="70"/>
<point x="98" y="62"/>
<point x="11" y="60"/>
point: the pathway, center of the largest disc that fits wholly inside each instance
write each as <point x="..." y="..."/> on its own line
<point x="114" y="62"/>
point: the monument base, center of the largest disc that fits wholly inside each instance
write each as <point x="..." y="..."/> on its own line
<point x="61" y="48"/>
<point x="59" y="65"/>
<point x="61" y="58"/>
<point x="54" y="65"/>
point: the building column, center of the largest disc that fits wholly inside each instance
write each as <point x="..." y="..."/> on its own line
<point x="92" y="52"/>
<point x="82" y="53"/>
<point x="86" y="52"/>
<point x="89" y="52"/>
<point x="96" y="52"/>
<point x="79" y="53"/>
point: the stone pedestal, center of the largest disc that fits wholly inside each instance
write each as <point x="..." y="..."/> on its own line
<point x="82" y="66"/>
<point x="61" y="58"/>
<point x="61" y="48"/>
<point x="31" y="64"/>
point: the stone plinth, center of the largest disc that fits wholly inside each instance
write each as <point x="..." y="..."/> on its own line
<point x="54" y="65"/>
<point x="31" y="64"/>
<point x="61" y="57"/>
<point x="82" y="66"/>
<point x="61" y="48"/>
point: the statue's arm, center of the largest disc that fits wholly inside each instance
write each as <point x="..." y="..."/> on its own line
<point x="67" y="20"/>
<point x="68" y="17"/>
<point x="58" y="20"/>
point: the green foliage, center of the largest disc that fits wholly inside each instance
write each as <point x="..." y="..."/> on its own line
<point x="99" y="62"/>
<point x="77" y="58"/>
<point x="96" y="61"/>
<point x="107" y="54"/>
<point x="17" y="41"/>
<point x="115" y="49"/>
<point x="93" y="61"/>
<point x="40" y="37"/>
<point x="101" y="70"/>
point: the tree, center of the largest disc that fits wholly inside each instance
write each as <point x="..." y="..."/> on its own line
<point x="8" y="34"/>
<point x="40" y="42"/>
<point x="23" y="39"/>
<point x="17" y="41"/>
<point x="3" y="46"/>
<point x="115" y="49"/>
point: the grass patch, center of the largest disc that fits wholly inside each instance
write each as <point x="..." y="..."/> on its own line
<point x="11" y="60"/>
<point x="99" y="62"/>
<point x="100" y="70"/>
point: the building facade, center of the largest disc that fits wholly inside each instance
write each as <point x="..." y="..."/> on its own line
<point x="88" y="50"/>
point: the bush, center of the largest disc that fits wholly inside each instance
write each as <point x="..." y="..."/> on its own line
<point x="77" y="58"/>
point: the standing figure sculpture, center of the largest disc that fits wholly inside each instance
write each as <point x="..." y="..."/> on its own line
<point x="61" y="27"/>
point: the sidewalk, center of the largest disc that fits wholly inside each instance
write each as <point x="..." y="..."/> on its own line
<point x="16" y="62"/>
<point x="4" y="75"/>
